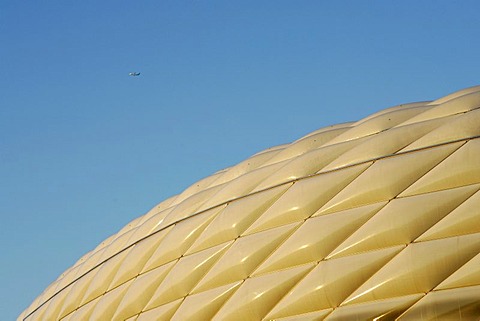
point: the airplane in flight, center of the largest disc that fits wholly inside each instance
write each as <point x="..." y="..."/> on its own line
<point x="134" y="74"/>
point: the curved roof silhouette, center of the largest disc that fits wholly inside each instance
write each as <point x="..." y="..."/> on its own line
<point x="377" y="218"/>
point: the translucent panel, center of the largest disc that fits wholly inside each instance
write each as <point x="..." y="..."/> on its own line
<point x="160" y="207"/>
<point x="403" y="220"/>
<point x="418" y="269"/>
<point x="258" y="295"/>
<point x="467" y="275"/>
<point x="179" y="239"/>
<point x="106" y="306"/>
<point x="76" y="293"/>
<point x="458" y="127"/>
<point x="392" y="109"/>
<point x="456" y="94"/>
<point x="243" y="257"/>
<point x="454" y="106"/>
<point x="84" y="312"/>
<point x="93" y="260"/>
<point x="388" y="309"/>
<point x="459" y="169"/>
<point x="462" y="220"/>
<point x="379" y="123"/>
<point x="458" y="304"/>
<point x="331" y="282"/>
<point x="136" y="259"/>
<point x="248" y="165"/>
<point x="313" y="316"/>
<point x="142" y="290"/>
<point x="205" y="305"/>
<point x="306" y="164"/>
<point x="382" y="144"/>
<point x="371" y="186"/>
<point x="241" y="186"/>
<point x="116" y="246"/>
<point x="54" y="306"/>
<point x="197" y="187"/>
<point x="102" y="279"/>
<point x="150" y="225"/>
<point x="308" y="143"/>
<point x="38" y="313"/>
<point x="161" y="313"/>
<point x="189" y="206"/>
<point x="305" y="197"/>
<point x="236" y="218"/>
<point x="317" y="237"/>
<point x="184" y="275"/>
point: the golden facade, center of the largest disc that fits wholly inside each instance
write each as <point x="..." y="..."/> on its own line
<point x="371" y="220"/>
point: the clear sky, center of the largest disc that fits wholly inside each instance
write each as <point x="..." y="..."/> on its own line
<point x="85" y="148"/>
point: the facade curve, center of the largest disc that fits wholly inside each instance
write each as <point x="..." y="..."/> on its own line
<point x="377" y="219"/>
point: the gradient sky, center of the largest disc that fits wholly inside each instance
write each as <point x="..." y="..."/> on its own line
<point x="84" y="148"/>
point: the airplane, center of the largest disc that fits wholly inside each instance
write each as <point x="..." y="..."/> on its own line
<point x="134" y="74"/>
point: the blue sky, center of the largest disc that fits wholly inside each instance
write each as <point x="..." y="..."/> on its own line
<point x="84" y="148"/>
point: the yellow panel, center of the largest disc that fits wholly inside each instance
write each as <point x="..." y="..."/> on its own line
<point x="306" y="164"/>
<point x="383" y="310"/>
<point x="382" y="144"/>
<point x="379" y="123"/>
<point x="460" y="169"/>
<point x="106" y="306"/>
<point x="371" y="186"/>
<point x="418" y="269"/>
<point x="317" y="237"/>
<point x="159" y="208"/>
<point x="37" y="314"/>
<point x="462" y="220"/>
<point x="116" y="246"/>
<point x="55" y="304"/>
<point x="92" y="261"/>
<point x="259" y="294"/>
<point x="236" y="218"/>
<point x="134" y="318"/>
<point x="204" y="306"/>
<point x="457" y="304"/>
<point x="243" y="257"/>
<point x="308" y="143"/>
<point x="331" y="282"/>
<point x="76" y="293"/>
<point x="136" y="259"/>
<point x="403" y="220"/>
<point x="103" y="277"/>
<point x="197" y="187"/>
<point x="305" y="197"/>
<point x="35" y="304"/>
<point x="184" y="275"/>
<point x="256" y="161"/>
<point x="180" y="238"/>
<point x="456" y="94"/>
<point x="84" y="312"/>
<point x="142" y="290"/>
<point x="241" y="186"/>
<point x="189" y="206"/>
<point x="454" y="106"/>
<point x="148" y="226"/>
<point x="161" y="313"/>
<point x="458" y="127"/>
<point x="467" y="275"/>
<point x="313" y="316"/>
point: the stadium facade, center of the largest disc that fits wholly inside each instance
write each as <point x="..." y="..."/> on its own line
<point x="377" y="219"/>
